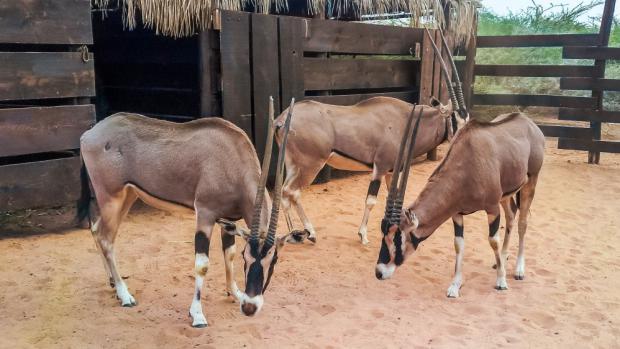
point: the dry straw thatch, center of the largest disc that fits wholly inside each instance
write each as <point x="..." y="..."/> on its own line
<point x="185" y="17"/>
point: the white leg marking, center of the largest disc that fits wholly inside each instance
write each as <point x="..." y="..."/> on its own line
<point x="229" y="257"/>
<point x="371" y="201"/>
<point x="123" y="294"/>
<point x="457" y="281"/>
<point x="200" y="268"/>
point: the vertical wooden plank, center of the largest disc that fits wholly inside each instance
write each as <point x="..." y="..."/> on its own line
<point x="470" y="64"/>
<point x="208" y="77"/>
<point x="599" y="72"/>
<point x="266" y="74"/>
<point x="426" y="70"/>
<point x="236" y="70"/>
<point x="292" y="32"/>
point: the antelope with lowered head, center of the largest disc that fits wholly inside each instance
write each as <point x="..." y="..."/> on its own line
<point x="207" y="167"/>
<point x="488" y="165"/>
<point x="361" y="137"/>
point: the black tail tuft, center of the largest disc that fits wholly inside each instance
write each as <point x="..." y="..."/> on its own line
<point x="83" y="205"/>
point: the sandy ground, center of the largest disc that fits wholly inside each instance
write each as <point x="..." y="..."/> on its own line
<point x="53" y="291"/>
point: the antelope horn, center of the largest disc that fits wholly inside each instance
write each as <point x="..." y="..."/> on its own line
<point x="389" y="204"/>
<point x="410" y="155"/>
<point x="260" y="192"/>
<point x="275" y="208"/>
<point x="457" y="80"/>
<point x="444" y="70"/>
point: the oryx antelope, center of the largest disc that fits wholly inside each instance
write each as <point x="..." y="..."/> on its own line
<point x="361" y="137"/>
<point x="207" y="167"/>
<point x="486" y="166"/>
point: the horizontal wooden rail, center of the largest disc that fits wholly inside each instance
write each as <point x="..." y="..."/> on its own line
<point x="537" y="40"/>
<point x="39" y="184"/>
<point x="340" y="74"/>
<point x="589" y="115"/>
<point x="566" y="131"/>
<point x="535" y="100"/>
<point x="534" y="70"/>
<point x="591" y="52"/>
<point x="407" y="96"/>
<point x="589" y="145"/>
<point x="589" y="84"/>
<point x="347" y="37"/>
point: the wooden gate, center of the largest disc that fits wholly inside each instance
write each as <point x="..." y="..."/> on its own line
<point x="46" y="79"/>
<point x="328" y="61"/>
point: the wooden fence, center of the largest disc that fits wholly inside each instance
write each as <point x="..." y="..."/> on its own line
<point x="328" y="61"/>
<point x="46" y="81"/>
<point x="572" y="77"/>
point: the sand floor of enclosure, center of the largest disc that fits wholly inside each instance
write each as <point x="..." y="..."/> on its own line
<point x="53" y="291"/>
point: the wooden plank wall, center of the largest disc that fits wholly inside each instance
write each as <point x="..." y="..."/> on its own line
<point x="571" y="77"/>
<point x="46" y="82"/>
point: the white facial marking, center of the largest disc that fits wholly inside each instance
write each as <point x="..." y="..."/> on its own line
<point x="386" y="270"/>
<point x="256" y="300"/>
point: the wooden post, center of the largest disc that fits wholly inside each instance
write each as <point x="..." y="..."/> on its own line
<point x="470" y="65"/>
<point x="208" y="79"/>
<point x="599" y="72"/>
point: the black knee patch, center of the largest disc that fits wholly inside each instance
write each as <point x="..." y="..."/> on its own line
<point x="494" y="227"/>
<point x="227" y="241"/>
<point x="373" y="188"/>
<point x="198" y="295"/>
<point x="201" y="243"/>
<point x="458" y="229"/>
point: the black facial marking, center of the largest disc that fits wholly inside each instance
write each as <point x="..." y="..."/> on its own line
<point x="494" y="227"/>
<point x="270" y="271"/>
<point x="201" y="243"/>
<point x="198" y="295"/>
<point x="458" y="229"/>
<point x="398" y="255"/>
<point x="384" y="253"/>
<point x="373" y="188"/>
<point x="227" y="241"/>
<point x="254" y="281"/>
<point x="415" y="241"/>
<point x="454" y="124"/>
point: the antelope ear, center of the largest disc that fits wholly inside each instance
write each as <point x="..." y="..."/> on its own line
<point x="410" y="219"/>
<point x="294" y="237"/>
<point x="231" y="228"/>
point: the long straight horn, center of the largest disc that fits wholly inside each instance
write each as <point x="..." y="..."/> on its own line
<point x="275" y="207"/>
<point x="389" y="203"/>
<point x="410" y="155"/>
<point x="444" y="70"/>
<point x="260" y="192"/>
<point x="457" y="80"/>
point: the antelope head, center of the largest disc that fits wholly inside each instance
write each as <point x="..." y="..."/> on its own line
<point x="398" y="226"/>
<point x="456" y="107"/>
<point x="260" y="254"/>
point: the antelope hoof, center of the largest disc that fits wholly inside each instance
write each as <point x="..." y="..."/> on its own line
<point x="312" y="238"/>
<point x="199" y="321"/>
<point x="453" y="291"/>
<point x="363" y="238"/>
<point x="501" y="285"/>
<point x="519" y="276"/>
<point x="298" y="236"/>
<point x="131" y="303"/>
<point x="125" y="297"/>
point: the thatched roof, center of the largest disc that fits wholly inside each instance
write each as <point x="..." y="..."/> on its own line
<point x="185" y="17"/>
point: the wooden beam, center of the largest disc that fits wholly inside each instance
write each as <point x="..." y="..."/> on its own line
<point x="39" y="184"/>
<point x="236" y="70"/>
<point x="589" y="115"/>
<point x="426" y="70"/>
<point x="359" y="38"/>
<point x="266" y="74"/>
<point x="407" y="96"/>
<point x="566" y="131"/>
<point x="291" y="59"/>
<point x="534" y="70"/>
<point x="340" y="74"/>
<point x="591" y="52"/>
<point x="469" y="74"/>
<point x="37" y="75"/>
<point x="45" y="22"/>
<point x="590" y="84"/>
<point x="537" y="40"/>
<point x="534" y="100"/>
<point x="209" y="75"/>
<point x="43" y="129"/>
<point x="594" y="146"/>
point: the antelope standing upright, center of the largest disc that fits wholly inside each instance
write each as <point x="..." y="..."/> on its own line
<point x="207" y="167"/>
<point x="486" y="166"/>
<point x="361" y="137"/>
